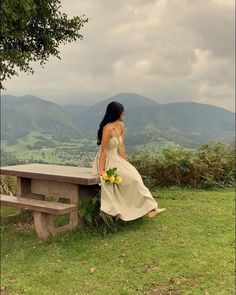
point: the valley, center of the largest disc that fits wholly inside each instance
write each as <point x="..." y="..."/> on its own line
<point x="36" y="130"/>
<point x="42" y="148"/>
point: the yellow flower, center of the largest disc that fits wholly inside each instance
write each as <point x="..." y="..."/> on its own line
<point x="105" y="176"/>
<point x="112" y="179"/>
<point x="118" y="179"/>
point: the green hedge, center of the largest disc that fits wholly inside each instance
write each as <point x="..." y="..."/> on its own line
<point x="211" y="165"/>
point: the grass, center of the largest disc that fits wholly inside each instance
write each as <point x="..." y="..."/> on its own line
<point x="6" y="211"/>
<point x="189" y="249"/>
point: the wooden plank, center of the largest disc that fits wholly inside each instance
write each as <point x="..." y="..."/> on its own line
<point x="37" y="205"/>
<point x="61" y="173"/>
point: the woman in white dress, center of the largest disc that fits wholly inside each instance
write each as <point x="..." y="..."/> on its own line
<point x="129" y="199"/>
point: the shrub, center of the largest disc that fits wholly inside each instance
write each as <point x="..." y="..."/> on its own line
<point x="89" y="210"/>
<point x="8" y="185"/>
<point x="211" y="165"/>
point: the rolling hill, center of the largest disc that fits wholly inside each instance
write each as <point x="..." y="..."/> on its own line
<point x="186" y="123"/>
<point x="21" y="115"/>
<point x="90" y="118"/>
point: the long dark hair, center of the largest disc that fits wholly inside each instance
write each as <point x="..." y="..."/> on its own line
<point x="113" y="111"/>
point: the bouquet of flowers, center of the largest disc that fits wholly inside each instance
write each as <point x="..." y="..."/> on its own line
<point x="111" y="177"/>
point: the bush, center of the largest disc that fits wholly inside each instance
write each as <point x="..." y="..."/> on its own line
<point x="89" y="210"/>
<point x="209" y="166"/>
<point x="8" y="185"/>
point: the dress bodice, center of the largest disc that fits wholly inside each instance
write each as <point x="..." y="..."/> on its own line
<point x="114" y="142"/>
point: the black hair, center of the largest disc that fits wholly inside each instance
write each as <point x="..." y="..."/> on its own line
<point x="113" y="111"/>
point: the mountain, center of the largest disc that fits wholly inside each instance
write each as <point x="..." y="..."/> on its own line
<point x="146" y="120"/>
<point x="74" y="111"/>
<point x="21" y="115"/>
<point x="186" y="123"/>
<point x="90" y="119"/>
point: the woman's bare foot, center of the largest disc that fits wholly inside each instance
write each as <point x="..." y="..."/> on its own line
<point x="155" y="211"/>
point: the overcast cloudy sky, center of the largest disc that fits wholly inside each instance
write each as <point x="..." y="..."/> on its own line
<point x="168" y="50"/>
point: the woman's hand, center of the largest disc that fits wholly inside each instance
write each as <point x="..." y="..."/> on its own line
<point x="101" y="172"/>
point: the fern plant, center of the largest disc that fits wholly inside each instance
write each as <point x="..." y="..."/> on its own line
<point x="89" y="210"/>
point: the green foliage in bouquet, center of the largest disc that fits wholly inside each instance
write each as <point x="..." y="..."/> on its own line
<point x="111" y="176"/>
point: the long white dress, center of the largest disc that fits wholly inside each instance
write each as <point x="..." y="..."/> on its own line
<point x="130" y="199"/>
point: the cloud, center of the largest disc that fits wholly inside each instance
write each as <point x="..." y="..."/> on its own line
<point x="169" y="50"/>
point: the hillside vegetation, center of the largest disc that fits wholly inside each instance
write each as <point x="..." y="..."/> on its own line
<point x="209" y="166"/>
<point x="185" y="123"/>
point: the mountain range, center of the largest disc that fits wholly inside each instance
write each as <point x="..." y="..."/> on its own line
<point x="186" y="123"/>
<point x="21" y="115"/>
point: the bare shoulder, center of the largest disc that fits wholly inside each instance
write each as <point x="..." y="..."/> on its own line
<point x="107" y="126"/>
<point x="122" y="124"/>
<point x="107" y="129"/>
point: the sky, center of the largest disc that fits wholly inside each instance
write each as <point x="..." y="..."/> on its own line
<point x="167" y="50"/>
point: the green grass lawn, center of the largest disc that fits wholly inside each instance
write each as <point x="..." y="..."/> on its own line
<point x="188" y="249"/>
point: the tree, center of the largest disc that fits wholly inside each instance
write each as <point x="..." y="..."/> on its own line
<point x="32" y="30"/>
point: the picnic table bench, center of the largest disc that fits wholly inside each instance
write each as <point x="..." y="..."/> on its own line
<point x="35" y="181"/>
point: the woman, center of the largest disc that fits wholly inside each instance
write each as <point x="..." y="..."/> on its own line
<point x="129" y="199"/>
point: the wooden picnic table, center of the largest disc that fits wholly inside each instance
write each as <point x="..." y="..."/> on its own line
<point x="35" y="181"/>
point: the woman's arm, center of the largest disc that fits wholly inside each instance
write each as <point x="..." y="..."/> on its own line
<point x="107" y="133"/>
<point x="121" y="149"/>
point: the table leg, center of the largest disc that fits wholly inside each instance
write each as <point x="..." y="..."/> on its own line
<point x="79" y="192"/>
<point x="41" y="224"/>
<point x="74" y="219"/>
<point x="44" y="223"/>
<point x="24" y="189"/>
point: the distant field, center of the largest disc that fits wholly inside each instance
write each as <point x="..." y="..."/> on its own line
<point x="36" y="147"/>
<point x="40" y="147"/>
